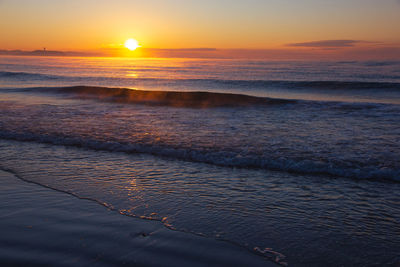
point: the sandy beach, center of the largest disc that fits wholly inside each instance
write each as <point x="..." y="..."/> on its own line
<point x="41" y="226"/>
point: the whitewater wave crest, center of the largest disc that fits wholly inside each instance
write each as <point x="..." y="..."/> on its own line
<point x="222" y="158"/>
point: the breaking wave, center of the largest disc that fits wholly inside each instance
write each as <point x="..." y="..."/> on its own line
<point x="167" y="98"/>
<point x="194" y="99"/>
<point x="205" y="82"/>
<point x="354" y="170"/>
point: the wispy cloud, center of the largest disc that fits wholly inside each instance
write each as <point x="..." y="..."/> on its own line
<point x="327" y="43"/>
<point x="205" y="49"/>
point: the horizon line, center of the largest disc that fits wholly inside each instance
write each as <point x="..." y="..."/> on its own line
<point x="341" y="49"/>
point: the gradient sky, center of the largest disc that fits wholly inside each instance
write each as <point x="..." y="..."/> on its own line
<point x="222" y="24"/>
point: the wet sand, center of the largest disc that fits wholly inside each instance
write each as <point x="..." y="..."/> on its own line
<point x="41" y="226"/>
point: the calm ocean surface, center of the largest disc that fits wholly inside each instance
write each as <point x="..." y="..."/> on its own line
<point x="308" y="167"/>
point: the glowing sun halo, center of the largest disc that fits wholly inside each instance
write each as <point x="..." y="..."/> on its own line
<point x="132" y="44"/>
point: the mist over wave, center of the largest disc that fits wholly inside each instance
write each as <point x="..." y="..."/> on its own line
<point x="337" y="118"/>
<point x="284" y="84"/>
<point x="193" y="99"/>
<point x="269" y="155"/>
<point x="167" y="98"/>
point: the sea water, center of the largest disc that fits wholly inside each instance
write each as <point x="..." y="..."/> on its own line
<point x="296" y="158"/>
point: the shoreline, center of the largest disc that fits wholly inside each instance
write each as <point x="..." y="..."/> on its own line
<point x="42" y="226"/>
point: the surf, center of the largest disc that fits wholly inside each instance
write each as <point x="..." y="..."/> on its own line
<point x="197" y="99"/>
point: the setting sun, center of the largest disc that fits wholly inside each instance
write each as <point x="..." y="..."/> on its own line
<point x="132" y="44"/>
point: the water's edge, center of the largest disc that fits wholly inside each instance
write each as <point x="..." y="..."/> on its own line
<point x="266" y="253"/>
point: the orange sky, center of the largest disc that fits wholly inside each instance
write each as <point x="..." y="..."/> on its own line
<point x="269" y="25"/>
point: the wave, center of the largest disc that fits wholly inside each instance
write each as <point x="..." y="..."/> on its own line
<point x="218" y="83"/>
<point x="325" y="85"/>
<point x="197" y="99"/>
<point x="381" y="63"/>
<point x="28" y="75"/>
<point x="307" y="166"/>
<point x="167" y="98"/>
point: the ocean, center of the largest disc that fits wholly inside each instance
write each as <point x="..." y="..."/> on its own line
<point x="296" y="161"/>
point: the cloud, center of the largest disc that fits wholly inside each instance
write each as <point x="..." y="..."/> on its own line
<point x="327" y="43"/>
<point x="184" y="49"/>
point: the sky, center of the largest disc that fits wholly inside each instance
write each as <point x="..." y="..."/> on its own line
<point x="263" y="25"/>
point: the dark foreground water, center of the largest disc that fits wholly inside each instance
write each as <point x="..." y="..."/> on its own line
<point x="300" y="158"/>
<point x="43" y="227"/>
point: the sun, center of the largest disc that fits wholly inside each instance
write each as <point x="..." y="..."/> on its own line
<point x="132" y="44"/>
